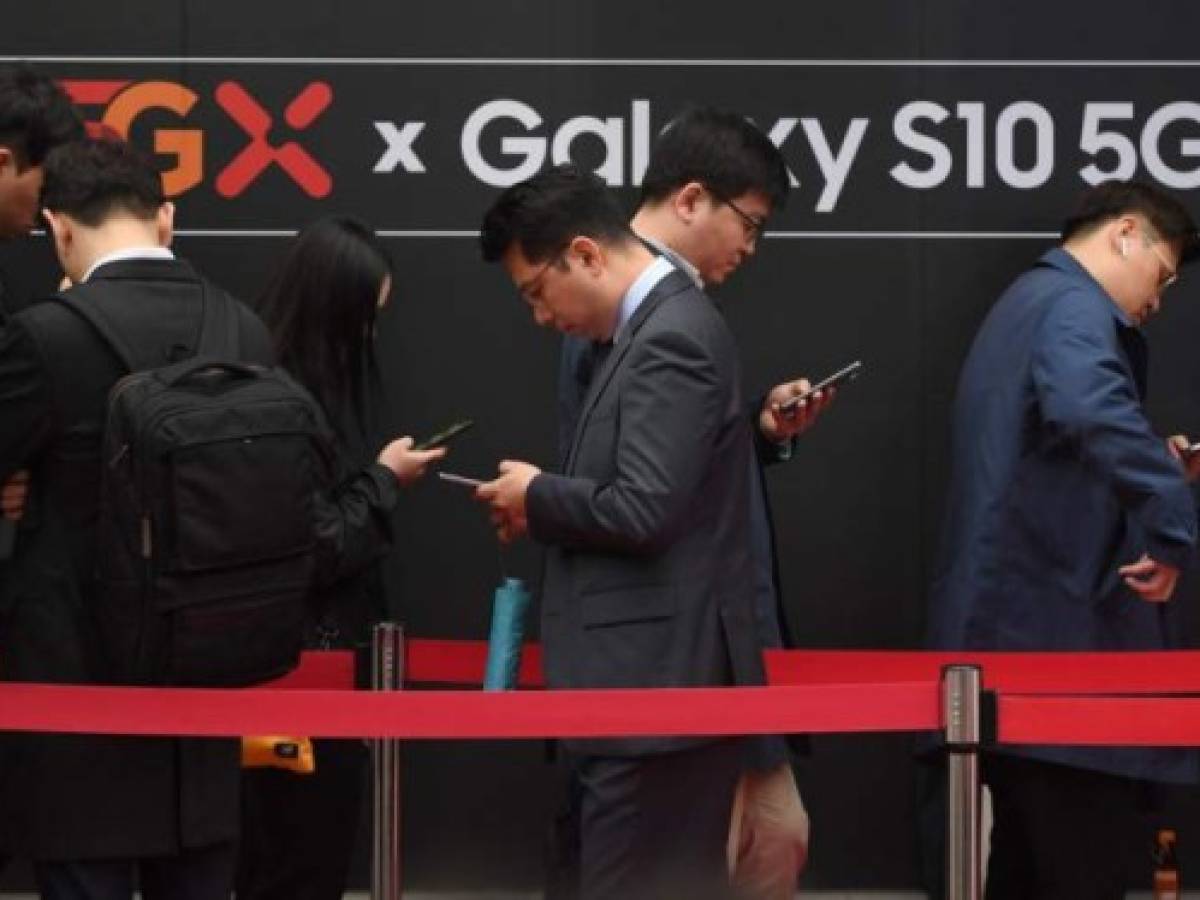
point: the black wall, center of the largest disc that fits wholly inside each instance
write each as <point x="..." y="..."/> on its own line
<point x="895" y="274"/>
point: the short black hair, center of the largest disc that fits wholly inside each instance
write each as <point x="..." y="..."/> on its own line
<point x="35" y="115"/>
<point x="1111" y="199"/>
<point x="542" y="214"/>
<point x="722" y="150"/>
<point x="93" y="179"/>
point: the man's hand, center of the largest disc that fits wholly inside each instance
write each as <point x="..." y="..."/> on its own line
<point x="1150" y="579"/>
<point x="406" y="463"/>
<point x="779" y="425"/>
<point x="14" y="495"/>
<point x="506" y="497"/>
<point x="1178" y="445"/>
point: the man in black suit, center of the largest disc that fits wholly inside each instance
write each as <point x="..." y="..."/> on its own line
<point x="93" y="810"/>
<point x="35" y="117"/>
<point x="649" y="574"/>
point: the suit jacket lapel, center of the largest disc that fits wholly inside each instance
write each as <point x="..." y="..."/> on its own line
<point x="670" y="285"/>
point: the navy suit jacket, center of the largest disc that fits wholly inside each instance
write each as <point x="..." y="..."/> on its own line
<point x="1058" y="479"/>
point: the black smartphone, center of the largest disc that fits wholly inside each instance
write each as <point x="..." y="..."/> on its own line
<point x="445" y="435"/>
<point x="840" y="377"/>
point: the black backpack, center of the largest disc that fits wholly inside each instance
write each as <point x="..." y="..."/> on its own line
<point x="206" y="538"/>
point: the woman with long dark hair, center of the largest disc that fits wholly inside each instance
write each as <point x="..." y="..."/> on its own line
<point x="298" y="830"/>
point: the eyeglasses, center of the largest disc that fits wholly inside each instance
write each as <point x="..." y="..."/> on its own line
<point x="1171" y="275"/>
<point x="752" y="226"/>
<point x="531" y="290"/>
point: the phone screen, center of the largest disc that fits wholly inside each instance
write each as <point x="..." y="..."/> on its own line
<point x="445" y="435"/>
<point x="841" y="376"/>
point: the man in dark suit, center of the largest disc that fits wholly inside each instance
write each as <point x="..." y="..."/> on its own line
<point x="712" y="181"/>
<point x="93" y="810"/>
<point x="1068" y="521"/>
<point x="649" y="577"/>
<point x="35" y="117"/>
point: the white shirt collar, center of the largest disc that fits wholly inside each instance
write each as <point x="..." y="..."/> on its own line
<point x="128" y="253"/>
<point x="638" y="291"/>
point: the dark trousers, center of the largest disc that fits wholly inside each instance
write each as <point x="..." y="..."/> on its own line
<point x="1061" y="833"/>
<point x="204" y="873"/>
<point x="656" y="827"/>
<point x="563" y="839"/>
<point x="299" y="831"/>
<point x="929" y="776"/>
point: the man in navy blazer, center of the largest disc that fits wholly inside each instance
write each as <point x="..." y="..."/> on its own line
<point x="649" y="576"/>
<point x="1067" y="524"/>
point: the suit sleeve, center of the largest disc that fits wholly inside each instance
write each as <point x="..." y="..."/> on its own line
<point x="1087" y="396"/>
<point x="672" y="402"/>
<point x="768" y="451"/>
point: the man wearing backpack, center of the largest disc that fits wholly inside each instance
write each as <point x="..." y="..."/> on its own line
<point x="93" y="810"/>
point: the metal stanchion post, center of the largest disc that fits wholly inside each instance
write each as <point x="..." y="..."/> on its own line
<point x="961" y="719"/>
<point x="387" y="674"/>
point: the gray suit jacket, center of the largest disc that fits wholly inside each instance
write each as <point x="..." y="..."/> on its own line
<point x="649" y="579"/>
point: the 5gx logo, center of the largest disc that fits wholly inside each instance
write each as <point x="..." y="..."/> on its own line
<point x="124" y="101"/>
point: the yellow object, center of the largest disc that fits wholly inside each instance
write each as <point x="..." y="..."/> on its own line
<point x="292" y="753"/>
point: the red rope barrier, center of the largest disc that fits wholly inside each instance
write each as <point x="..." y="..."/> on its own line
<point x="1172" y="672"/>
<point x="1100" y="721"/>
<point x="1163" y="672"/>
<point x="320" y="670"/>
<point x="463" y="662"/>
<point x="812" y="691"/>
<point x="470" y="714"/>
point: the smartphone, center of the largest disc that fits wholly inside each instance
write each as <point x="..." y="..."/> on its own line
<point x="840" y="377"/>
<point x="459" y="479"/>
<point x="445" y="435"/>
<point x="1190" y="450"/>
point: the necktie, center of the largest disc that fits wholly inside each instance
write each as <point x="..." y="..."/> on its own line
<point x="590" y="362"/>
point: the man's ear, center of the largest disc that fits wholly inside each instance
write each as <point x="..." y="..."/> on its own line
<point x="60" y="229"/>
<point x="590" y="254"/>
<point x="1121" y="233"/>
<point x="8" y="160"/>
<point x="686" y="201"/>
<point x="164" y="222"/>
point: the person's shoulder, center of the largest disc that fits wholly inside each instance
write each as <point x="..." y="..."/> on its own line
<point x="1079" y="305"/>
<point x="42" y="312"/>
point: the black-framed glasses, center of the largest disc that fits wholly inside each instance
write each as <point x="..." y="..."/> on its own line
<point x="753" y="227"/>
<point x="531" y="289"/>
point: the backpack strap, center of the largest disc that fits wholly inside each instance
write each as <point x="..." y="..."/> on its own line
<point x="103" y="325"/>
<point x="218" y="339"/>
<point x="219" y="333"/>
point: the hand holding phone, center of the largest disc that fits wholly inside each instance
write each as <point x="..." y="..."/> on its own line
<point x="407" y="463"/>
<point x="445" y="435"/>
<point x="838" y="378"/>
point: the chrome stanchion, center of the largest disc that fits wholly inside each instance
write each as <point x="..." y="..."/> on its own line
<point x="961" y="719"/>
<point x="387" y="674"/>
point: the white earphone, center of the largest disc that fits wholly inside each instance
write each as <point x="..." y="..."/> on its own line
<point x="1124" y="246"/>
